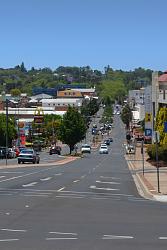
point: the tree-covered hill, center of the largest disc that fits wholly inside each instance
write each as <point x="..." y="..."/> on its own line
<point x="110" y="83"/>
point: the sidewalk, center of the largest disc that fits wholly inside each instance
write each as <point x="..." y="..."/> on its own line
<point x="147" y="184"/>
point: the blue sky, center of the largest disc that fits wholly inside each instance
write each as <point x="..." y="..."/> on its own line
<point x="125" y="34"/>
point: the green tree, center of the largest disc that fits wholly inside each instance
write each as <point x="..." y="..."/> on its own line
<point x="126" y="116"/>
<point x="72" y="128"/>
<point x="11" y="130"/>
<point x="15" y="92"/>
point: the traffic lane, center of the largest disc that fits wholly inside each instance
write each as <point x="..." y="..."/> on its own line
<point x="44" y="177"/>
<point x="44" y="158"/>
<point x="107" y="174"/>
<point x="90" y="221"/>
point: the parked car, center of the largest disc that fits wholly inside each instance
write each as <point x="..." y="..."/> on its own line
<point x="107" y="142"/>
<point x="111" y="139"/>
<point x="11" y="153"/>
<point x="86" y="148"/>
<point x="2" y="152"/>
<point x="55" y="150"/>
<point x="28" y="155"/>
<point x="103" y="149"/>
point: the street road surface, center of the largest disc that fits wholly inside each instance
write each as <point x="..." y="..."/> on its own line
<point x="91" y="203"/>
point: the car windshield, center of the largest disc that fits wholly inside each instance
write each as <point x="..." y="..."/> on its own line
<point x="85" y="146"/>
<point x="27" y="152"/>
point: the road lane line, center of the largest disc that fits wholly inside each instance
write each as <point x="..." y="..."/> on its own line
<point x="46" y="179"/>
<point x="116" y="237"/>
<point x="2" y="176"/>
<point x="162" y="238"/>
<point x="13" y="230"/>
<point x="107" y="189"/>
<point x="61" y="238"/>
<point x="29" y="184"/>
<point x="8" y="240"/>
<point x="83" y="176"/>
<point x="61" y="189"/>
<point x="76" y="180"/>
<point x="62" y="233"/>
<point x="69" y="197"/>
<point x="107" y="182"/>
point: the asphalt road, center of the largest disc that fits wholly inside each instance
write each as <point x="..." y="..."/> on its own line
<point x="91" y="203"/>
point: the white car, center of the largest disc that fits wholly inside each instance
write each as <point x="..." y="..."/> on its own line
<point x="86" y="148"/>
<point x="103" y="149"/>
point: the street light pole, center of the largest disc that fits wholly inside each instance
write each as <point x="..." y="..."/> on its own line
<point x="6" y="101"/>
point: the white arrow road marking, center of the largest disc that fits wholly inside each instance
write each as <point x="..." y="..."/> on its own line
<point x="13" y="230"/>
<point x="107" y="182"/>
<point x="46" y="179"/>
<point x="116" y="237"/>
<point x="107" y="189"/>
<point x="29" y="184"/>
<point x="8" y="240"/>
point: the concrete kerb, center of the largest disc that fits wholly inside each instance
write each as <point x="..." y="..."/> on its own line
<point x="67" y="159"/>
<point x="139" y="182"/>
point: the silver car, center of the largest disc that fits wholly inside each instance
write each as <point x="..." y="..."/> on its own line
<point x="103" y="149"/>
<point x="28" y="155"/>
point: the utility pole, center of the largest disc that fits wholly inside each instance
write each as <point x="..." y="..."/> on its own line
<point x="157" y="160"/>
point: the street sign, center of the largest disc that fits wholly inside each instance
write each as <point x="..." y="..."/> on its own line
<point x="165" y="127"/>
<point x="38" y="119"/>
<point x="148" y="132"/>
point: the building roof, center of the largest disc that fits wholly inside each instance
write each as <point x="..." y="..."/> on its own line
<point x="61" y="100"/>
<point x="163" y="78"/>
<point x="89" y="90"/>
<point x="41" y="96"/>
<point x="68" y="93"/>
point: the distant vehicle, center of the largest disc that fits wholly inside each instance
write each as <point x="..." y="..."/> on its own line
<point x="94" y="131"/>
<point x="55" y="150"/>
<point x="2" y="152"/>
<point x="111" y="139"/>
<point x="130" y="149"/>
<point x="94" y="125"/>
<point x="86" y="148"/>
<point x="107" y="142"/>
<point x="28" y="155"/>
<point x="103" y="149"/>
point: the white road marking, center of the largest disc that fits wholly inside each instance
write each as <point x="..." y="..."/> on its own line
<point x="83" y="176"/>
<point x="114" y="178"/>
<point x="63" y="233"/>
<point x="10" y="172"/>
<point x="162" y="238"/>
<point x="29" y="184"/>
<point x="61" y="189"/>
<point x="76" y="180"/>
<point x="116" y="237"/>
<point x="58" y="174"/>
<point x="8" y="240"/>
<point x="61" y="238"/>
<point x="13" y="230"/>
<point x="71" y="197"/>
<point x="31" y="192"/>
<point x="2" y="176"/>
<point x="107" y="182"/>
<point x="46" y="179"/>
<point x="107" y="189"/>
<point x="35" y="195"/>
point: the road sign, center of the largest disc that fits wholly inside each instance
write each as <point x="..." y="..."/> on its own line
<point x="148" y="132"/>
<point x="165" y="127"/>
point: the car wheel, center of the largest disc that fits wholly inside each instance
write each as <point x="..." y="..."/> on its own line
<point x="33" y="162"/>
<point x="19" y="162"/>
